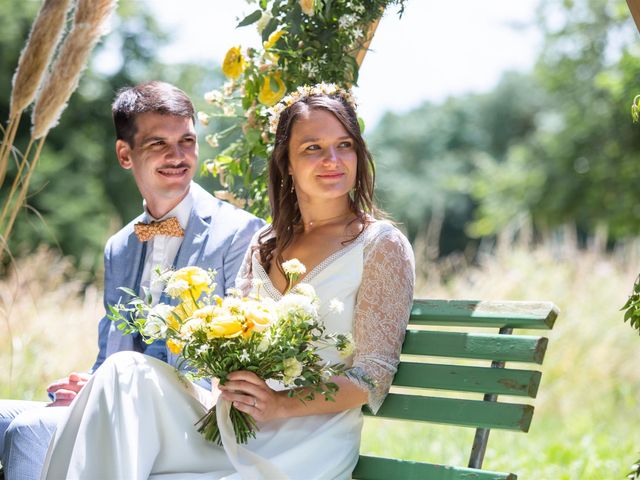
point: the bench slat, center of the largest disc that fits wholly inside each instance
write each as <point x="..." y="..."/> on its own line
<point x="501" y="381"/>
<point x="453" y="411"/>
<point x="535" y="315"/>
<point x="378" y="468"/>
<point x="483" y="346"/>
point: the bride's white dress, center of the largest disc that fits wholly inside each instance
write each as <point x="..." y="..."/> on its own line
<point x="135" y="418"/>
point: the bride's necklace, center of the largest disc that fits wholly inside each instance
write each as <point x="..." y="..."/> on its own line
<point x="326" y="221"/>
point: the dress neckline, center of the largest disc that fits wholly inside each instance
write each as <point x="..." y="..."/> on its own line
<point x="277" y="294"/>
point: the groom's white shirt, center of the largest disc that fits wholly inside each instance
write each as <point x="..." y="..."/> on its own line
<point x="161" y="249"/>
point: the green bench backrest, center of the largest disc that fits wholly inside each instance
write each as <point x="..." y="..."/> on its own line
<point x="418" y="371"/>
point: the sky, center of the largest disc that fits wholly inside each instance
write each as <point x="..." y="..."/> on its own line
<point x="437" y="49"/>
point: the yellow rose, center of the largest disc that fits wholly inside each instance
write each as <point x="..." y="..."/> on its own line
<point x="307" y="6"/>
<point x="271" y="94"/>
<point x="174" y="346"/>
<point x="234" y="63"/>
<point x="197" y="280"/>
<point x="224" y="326"/>
<point x="260" y="317"/>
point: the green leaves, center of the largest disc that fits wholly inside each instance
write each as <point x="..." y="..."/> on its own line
<point x="632" y="307"/>
<point x="269" y="29"/>
<point x="251" y="18"/>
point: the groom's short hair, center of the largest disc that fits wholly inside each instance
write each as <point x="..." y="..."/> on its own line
<point x="154" y="96"/>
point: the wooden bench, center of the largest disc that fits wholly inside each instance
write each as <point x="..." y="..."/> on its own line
<point x="488" y="380"/>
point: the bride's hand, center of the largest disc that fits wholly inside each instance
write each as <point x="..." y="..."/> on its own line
<point x="250" y="394"/>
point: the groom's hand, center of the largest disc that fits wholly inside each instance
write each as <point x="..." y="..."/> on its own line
<point x="65" y="389"/>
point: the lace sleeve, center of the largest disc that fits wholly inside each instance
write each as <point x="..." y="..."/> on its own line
<point x="382" y="312"/>
<point x="244" y="279"/>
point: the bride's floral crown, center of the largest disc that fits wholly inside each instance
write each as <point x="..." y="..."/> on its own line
<point x="304" y="92"/>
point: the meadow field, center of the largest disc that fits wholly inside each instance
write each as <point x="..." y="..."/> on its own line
<point x="587" y="417"/>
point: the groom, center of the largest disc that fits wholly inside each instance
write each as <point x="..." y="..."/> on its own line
<point x="181" y="225"/>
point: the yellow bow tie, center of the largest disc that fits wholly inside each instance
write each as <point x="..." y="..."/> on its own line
<point x="169" y="227"/>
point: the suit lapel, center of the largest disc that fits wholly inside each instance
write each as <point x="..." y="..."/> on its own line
<point x="195" y="238"/>
<point x="197" y="233"/>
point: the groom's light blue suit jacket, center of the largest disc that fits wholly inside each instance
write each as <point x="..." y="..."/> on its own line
<point x="217" y="237"/>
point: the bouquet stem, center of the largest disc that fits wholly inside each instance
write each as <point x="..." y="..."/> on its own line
<point x="244" y="426"/>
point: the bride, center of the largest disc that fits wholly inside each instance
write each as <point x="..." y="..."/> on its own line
<point x="135" y="418"/>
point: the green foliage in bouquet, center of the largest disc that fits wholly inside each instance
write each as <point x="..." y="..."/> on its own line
<point x="305" y="42"/>
<point x="215" y="336"/>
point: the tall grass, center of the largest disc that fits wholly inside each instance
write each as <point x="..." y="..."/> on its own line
<point x="48" y="324"/>
<point x="587" y="417"/>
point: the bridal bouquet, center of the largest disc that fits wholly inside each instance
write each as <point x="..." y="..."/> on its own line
<point x="215" y="336"/>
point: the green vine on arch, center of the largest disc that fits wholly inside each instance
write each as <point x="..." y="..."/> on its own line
<point x="303" y="42"/>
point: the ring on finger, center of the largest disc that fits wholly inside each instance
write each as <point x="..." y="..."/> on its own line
<point x="255" y="402"/>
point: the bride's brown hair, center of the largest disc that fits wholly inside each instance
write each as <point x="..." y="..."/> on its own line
<point x="287" y="220"/>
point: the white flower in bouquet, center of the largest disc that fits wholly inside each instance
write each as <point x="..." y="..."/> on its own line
<point x="292" y="370"/>
<point x="260" y="315"/>
<point x="265" y="343"/>
<point x="294" y="268"/>
<point x="232" y="304"/>
<point x="176" y="287"/>
<point x="305" y="289"/>
<point x="191" y="326"/>
<point x="155" y="325"/>
<point x="297" y="306"/>
<point x="234" y="292"/>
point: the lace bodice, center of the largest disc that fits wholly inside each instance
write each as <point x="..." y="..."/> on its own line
<point x="379" y="268"/>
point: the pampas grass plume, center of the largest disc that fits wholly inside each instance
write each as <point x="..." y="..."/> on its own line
<point x="45" y="34"/>
<point x="89" y="23"/>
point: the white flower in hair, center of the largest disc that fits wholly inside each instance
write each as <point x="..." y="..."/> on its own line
<point x="303" y="92"/>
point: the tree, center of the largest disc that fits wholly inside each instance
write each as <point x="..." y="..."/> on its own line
<point x="580" y="166"/>
<point x="427" y="157"/>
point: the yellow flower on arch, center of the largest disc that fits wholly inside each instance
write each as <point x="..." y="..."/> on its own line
<point x="273" y="39"/>
<point x="270" y="94"/>
<point x="234" y="63"/>
<point x="270" y="43"/>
